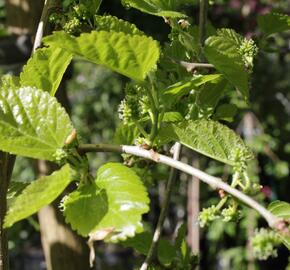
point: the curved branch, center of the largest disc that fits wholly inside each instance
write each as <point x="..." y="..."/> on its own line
<point x="217" y="183"/>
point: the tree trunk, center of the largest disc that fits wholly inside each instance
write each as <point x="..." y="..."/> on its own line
<point x="23" y="15"/>
<point x="6" y="166"/>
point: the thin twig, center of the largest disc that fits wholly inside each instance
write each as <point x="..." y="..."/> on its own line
<point x="190" y="67"/>
<point x="163" y="212"/>
<point x="217" y="183"/>
<point x="48" y="5"/>
<point x="202" y="21"/>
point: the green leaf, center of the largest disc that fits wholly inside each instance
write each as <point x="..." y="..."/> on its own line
<point x="165" y="252"/>
<point x="115" y="201"/>
<point x="133" y="56"/>
<point x="223" y="52"/>
<point x="226" y="112"/>
<point x="126" y="134"/>
<point x="209" y="138"/>
<point x="112" y="23"/>
<point x="210" y="94"/>
<point x="9" y="81"/>
<point x="45" y="69"/>
<point x="170" y="117"/>
<point x="37" y="195"/>
<point x="274" y="23"/>
<point x="140" y="242"/>
<point x="92" y="5"/>
<point x="163" y="8"/>
<point x="282" y="210"/>
<point x="174" y="92"/>
<point x="32" y="123"/>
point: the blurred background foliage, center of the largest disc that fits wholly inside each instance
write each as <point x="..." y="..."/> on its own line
<point x="95" y="94"/>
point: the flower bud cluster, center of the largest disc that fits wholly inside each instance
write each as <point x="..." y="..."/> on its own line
<point x="264" y="244"/>
<point x="207" y="215"/>
<point x="248" y="50"/>
<point x="71" y="20"/>
<point x="135" y="105"/>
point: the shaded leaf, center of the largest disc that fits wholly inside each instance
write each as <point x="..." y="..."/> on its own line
<point x="37" y="195"/>
<point x="116" y="200"/>
<point x="140" y="242"/>
<point x="45" y="69"/>
<point x="32" y="123"/>
<point x="274" y="23"/>
<point x="174" y="92"/>
<point x="210" y="94"/>
<point x="226" y="112"/>
<point x="165" y="252"/>
<point x="132" y="56"/>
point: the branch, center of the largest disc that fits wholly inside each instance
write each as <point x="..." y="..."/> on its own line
<point x="217" y="183"/>
<point x="190" y="67"/>
<point x="48" y="5"/>
<point x="164" y="209"/>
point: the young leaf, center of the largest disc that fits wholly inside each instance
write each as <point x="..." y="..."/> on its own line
<point x="132" y="56"/>
<point x="170" y="117"/>
<point x="37" y="195"/>
<point x="209" y="138"/>
<point x="163" y="8"/>
<point x="281" y="209"/>
<point x="174" y="92"/>
<point x="45" y="69"/>
<point x="222" y="51"/>
<point x="112" y="23"/>
<point x="32" y="123"/>
<point x="126" y="134"/>
<point x="274" y="23"/>
<point x="116" y="200"/>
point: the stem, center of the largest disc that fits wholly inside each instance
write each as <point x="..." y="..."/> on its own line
<point x="48" y="5"/>
<point x="164" y="209"/>
<point x="152" y="94"/>
<point x="6" y="167"/>
<point x="214" y="182"/>
<point x="202" y="21"/>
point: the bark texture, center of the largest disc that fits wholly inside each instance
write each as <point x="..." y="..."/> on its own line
<point x="6" y="166"/>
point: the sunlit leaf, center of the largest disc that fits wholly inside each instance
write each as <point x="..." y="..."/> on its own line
<point x="32" y="123"/>
<point x="38" y="194"/>
<point x="45" y="69"/>
<point x="209" y="138"/>
<point x="116" y="200"/>
<point x="132" y="56"/>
